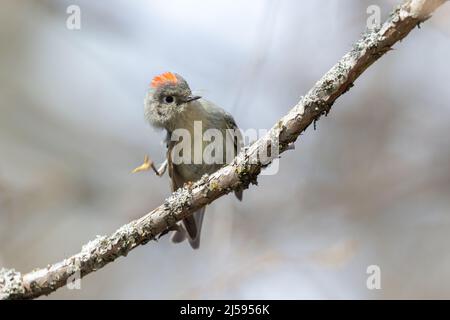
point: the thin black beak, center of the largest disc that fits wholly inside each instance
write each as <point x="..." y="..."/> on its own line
<point x="192" y="98"/>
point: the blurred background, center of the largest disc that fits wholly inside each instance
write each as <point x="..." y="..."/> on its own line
<point x="371" y="186"/>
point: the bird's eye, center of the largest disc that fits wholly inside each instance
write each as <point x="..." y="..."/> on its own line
<point x="169" y="99"/>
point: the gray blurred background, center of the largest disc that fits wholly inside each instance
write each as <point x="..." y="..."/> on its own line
<point x="370" y="186"/>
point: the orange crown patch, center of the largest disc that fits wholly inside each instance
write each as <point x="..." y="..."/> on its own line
<point x="167" y="77"/>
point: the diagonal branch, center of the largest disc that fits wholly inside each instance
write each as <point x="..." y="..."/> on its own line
<point x="239" y="174"/>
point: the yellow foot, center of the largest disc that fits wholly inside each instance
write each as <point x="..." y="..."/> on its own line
<point x="147" y="165"/>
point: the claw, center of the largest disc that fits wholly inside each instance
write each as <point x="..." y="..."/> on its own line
<point x="147" y="165"/>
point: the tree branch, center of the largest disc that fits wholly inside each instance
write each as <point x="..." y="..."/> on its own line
<point x="239" y="174"/>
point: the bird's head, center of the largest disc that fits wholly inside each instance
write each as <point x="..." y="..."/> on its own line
<point x="169" y="95"/>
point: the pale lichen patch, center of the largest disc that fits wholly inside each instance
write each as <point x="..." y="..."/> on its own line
<point x="11" y="284"/>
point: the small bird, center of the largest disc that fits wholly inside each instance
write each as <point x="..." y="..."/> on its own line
<point x="170" y="105"/>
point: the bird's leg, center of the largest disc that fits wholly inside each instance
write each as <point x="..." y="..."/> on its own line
<point x="148" y="164"/>
<point x="162" y="168"/>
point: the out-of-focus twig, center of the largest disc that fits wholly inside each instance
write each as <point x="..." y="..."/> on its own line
<point x="239" y="174"/>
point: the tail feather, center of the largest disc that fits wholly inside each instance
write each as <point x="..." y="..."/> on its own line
<point x="198" y="216"/>
<point x="239" y="194"/>
<point x="192" y="226"/>
<point x="179" y="235"/>
<point x="191" y="229"/>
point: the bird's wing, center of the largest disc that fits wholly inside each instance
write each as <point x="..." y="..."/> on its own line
<point x="237" y="137"/>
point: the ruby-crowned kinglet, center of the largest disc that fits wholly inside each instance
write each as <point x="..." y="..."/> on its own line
<point x="170" y="104"/>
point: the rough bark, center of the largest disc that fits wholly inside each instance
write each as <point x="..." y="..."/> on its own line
<point x="238" y="175"/>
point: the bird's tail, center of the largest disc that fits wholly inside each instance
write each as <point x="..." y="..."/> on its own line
<point x="239" y="194"/>
<point x="193" y="226"/>
<point x="192" y="229"/>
